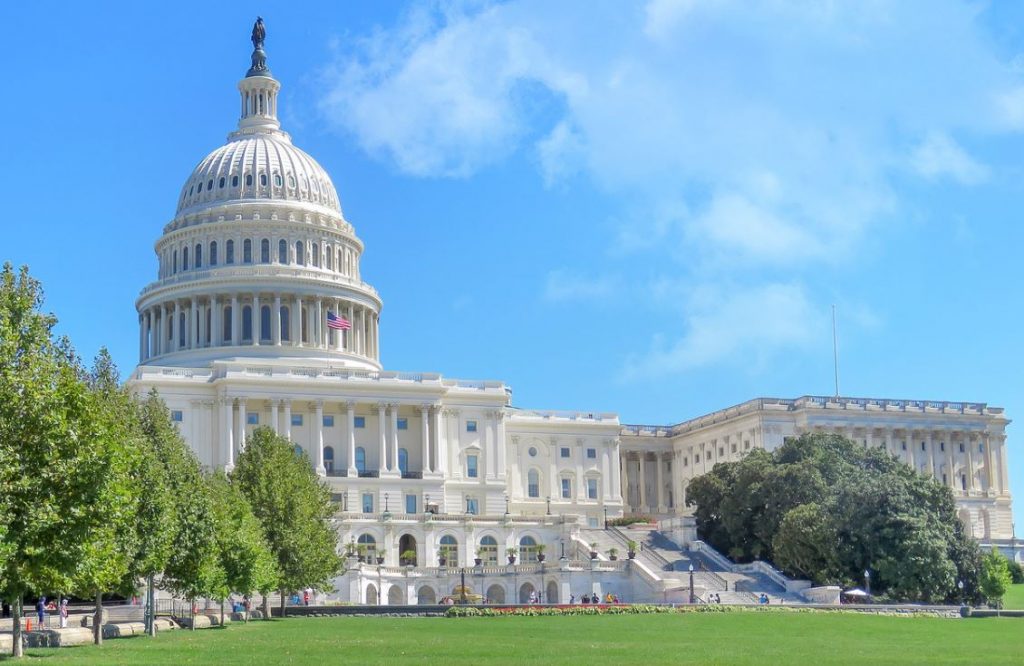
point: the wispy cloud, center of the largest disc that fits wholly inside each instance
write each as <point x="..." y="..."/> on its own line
<point x="939" y="156"/>
<point x="563" y="285"/>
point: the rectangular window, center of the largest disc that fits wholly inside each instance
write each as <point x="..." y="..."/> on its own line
<point x="942" y="446"/>
<point x="922" y="447"/>
<point x="961" y="447"/>
<point x="471" y="470"/>
<point x="359" y="421"/>
<point x="564" y="452"/>
<point x="403" y="424"/>
<point x="668" y="464"/>
<point x="686" y="462"/>
<point x="472" y="506"/>
<point x="904" y="446"/>
<point x="963" y="482"/>
<point x="252" y="419"/>
<point x="410" y="504"/>
<point x="734" y="448"/>
<point x="592" y="453"/>
<point x="328" y="421"/>
<point x="367" y="502"/>
<point x="721" y="451"/>
<point x="592" y="489"/>
<point x="177" y="416"/>
<point x="981" y="448"/>
<point x="696" y="458"/>
<point x="746" y="445"/>
<point x="470" y="426"/>
<point x="566" y="488"/>
<point x="296" y="419"/>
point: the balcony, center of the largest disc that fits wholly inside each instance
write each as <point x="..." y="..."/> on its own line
<point x="412" y="475"/>
<point x="337" y="472"/>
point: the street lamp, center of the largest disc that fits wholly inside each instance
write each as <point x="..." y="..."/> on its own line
<point x="606" y="518"/>
<point x="960" y="586"/>
<point x="691" y="582"/>
<point x="548" y="500"/>
<point x="867" y="582"/>
<point x="506" y="504"/>
<point x="386" y="503"/>
<point x="463" y="586"/>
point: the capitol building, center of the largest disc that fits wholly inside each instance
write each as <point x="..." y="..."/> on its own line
<point x="259" y="315"/>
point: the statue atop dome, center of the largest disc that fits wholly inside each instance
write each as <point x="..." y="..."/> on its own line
<point x="259" y="57"/>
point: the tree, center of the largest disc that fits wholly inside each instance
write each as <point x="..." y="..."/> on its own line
<point x="50" y="470"/>
<point x="113" y="429"/>
<point x="190" y="568"/>
<point x="245" y="558"/>
<point x="995" y="577"/>
<point x="826" y="508"/>
<point x="294" y="508"/>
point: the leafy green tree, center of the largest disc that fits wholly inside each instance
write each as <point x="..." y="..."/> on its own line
<point x="1016" y="572"/>
<point x="826" y="508"/>
<point x="245" y="558"/>
<point x="52" y="475"/>
<point x="294" y="508"/>
<point x="113" y="430"/>
<point x="190" y="569"/>
<point x="995" y="577"/>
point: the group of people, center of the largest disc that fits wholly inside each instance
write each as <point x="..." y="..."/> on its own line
<point x="595" y="599"/>
<point x="42" y="606"/>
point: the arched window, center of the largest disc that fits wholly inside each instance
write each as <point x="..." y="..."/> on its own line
<point x="403" y="461"/>
<point x="247" y="324"/>
<point x="360" y="459"/>
<point x="341" y="265"/>
<point x="209" y="185"/>
<point x="229" y="252"/>
<point x="182" y="330"/>
<point x="247" y="251"/>
<point x="175" y="267"/>
<point x="329" y="458"/>
<point x="300" y="254"/>
<point x="277" y="180"/>
<point x="488" y="551"/>
<point x="265" y="251"/>
<point x="234" y="180"/>
<point x="368" y="545"/>
<point x="199" y="256"/>
<point x="282" y="251"/>
<point x="213" y="253"/>
<point x="286" y="329"/>
<point x="316" y="255"/>
<point x="533" y="483"/>
<point x="328" y="258"/>
<point x="184" y="259"/>
<point x="222" y="181"/>
<point x="248" y="179"/>
<point x="449" y="549"/>
<point x="265" y="329"/>
<point x="200" y="188"/>
<point x="227" y="324"/>
<point x="527" y="550"/>
<point x="263" y="180"/>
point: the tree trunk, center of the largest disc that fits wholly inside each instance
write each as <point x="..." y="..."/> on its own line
<point x="266" y="605"/>
<point x="282" y="603"/>
<point x="192" y="613"/>
<point x="97" y="621"/>
<point x="222" y="612"/>
<point x="17" y="650"/>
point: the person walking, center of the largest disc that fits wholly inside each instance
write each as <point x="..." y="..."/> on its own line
<point x="63" y="613"/>
<point x="41" y="611"/>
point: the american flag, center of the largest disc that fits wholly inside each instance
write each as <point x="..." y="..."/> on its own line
<point x="336" y="322"/>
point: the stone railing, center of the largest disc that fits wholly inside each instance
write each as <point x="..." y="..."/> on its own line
<point x="243" y="271"/>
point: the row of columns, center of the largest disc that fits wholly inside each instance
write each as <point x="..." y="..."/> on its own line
<point x="234" y="419"/>
<point x="195" y="323"/>
<point x="338" y="257"/>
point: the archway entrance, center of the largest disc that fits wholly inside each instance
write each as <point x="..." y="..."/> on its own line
<point x="495" y="594"/>
<point x="406" y="545"/>
<point x="395" y="596"/>
<point x="371" y="595"/>
<point x="525" y="590"/>
<point x="551" y="593"/>
<point x="427" y="596"/>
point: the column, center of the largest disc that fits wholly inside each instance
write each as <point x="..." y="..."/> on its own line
<point x="275" y="321"/>
<point x="175" y="324"/>
<point x="986" y="444"/>
<point x="499" y="429"/>
<point x="350" y="333"/>
<point x="642" y="495"/>
<point x="274" y="425"/>
<point x="257" y="333"/>
<point x="912" y="449"/>
<point x="617" y="467"/>
<point x="661" y="485"/>
<point x="888" y="441"/>
<point x="1004" y="477"/>
<point x="351" y="434"/>
<point x="383" y="437"/>
<point x="236" y="321"/>
<point x="440" y="443"/>
<point x="968" y="445"/>
<point x="202" y="324"/>
<point x="242" y="418"/>
<point x="227" y="425"/>
<point x="949" y="461"/>
<point x="425" y="435"/>
<point x="161" y="331"/>
<point x="374" y="331"/>
<point x="142" y="336"/>
<point x="191" y="341"/>
<point x="319" y="408"/>
<point x="296" y="321"/>
<point x="216" y="312"/>
<point x="318" y="325"/>
<point x="288" y="420"/>
<point x="581" y="457"/>
<point x="394" y="439"/>
<point x="606" y="471"/>
<point x="869" y="438"/>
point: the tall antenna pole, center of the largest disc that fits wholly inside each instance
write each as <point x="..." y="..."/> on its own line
<point x="835" y="348"/>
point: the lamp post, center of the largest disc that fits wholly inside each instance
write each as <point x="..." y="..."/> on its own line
<point x="548" y="500"/>
<point x="960" y="586"/>
<point x="605" y="517"/>
<point x="867" y="582"/>
<point x="691" y="583"/>
<point x="386" y="503"/>
<point x="426" y="502"/>
<point x="463" y="586"/>
<point x="506" y="504"/>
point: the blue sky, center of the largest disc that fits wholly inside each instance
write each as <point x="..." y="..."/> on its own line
<point x="642" y="207"/>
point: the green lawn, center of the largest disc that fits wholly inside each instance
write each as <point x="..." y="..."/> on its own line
<point x="1014" y="597"/>
<point x="706" y="638"/>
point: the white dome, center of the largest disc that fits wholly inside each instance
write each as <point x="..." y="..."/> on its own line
<point x="258" y="166"/>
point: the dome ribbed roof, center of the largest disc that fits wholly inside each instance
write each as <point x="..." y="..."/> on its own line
<point x="258" y="166"/>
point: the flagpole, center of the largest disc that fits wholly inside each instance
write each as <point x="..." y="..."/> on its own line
<point x="835" y="349"/>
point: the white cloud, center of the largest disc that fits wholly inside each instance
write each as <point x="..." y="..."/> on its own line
<point x="563" y="286"/>
<point x="940" y="156"/>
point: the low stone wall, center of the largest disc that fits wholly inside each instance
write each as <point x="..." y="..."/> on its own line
<point x="6" y="643"/>
<point x="123" y="629"/>
<point x="67" y="637"/>
<point x="327" y="611"/>
<point x="201" y="622"/>
<point x="165" y="624"/>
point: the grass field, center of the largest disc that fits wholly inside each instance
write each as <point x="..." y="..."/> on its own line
<point x="706" y="638"/>
<point x="1014" y="597"/>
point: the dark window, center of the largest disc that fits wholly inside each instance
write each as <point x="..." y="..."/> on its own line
<point x="470" y="426"/>
<point x="942" y="446"/>
<point x="265" y="251"/>
<point x="199" y="256"/>
<point x="209" y="185"/>
<point x="184" y="259"/>
<point x="592" y="453"/>
<point x="300" y="255"/>
<point x="227" y="323"/>
<point x="316" y="255"/>
<point x="234" y="181"/>
<point x="247" y="251"/>
<point x="222" y="181"/>
<point x="359" y="421"/>
<point x="213" y="253"/>
<point x="199" y="189"/>
<point x="961" y="447"/>
<point x="564" y="452"/>
<point x="277" y="179"/>
<point x="230" y="252"/>
<point x="282" y="251"/>
<point x="175" y="266"/>
<point x="263" y="179"/>
<point x="265" y="323"/>
<point x="286" y="329"/>
<point x="248" y="179"/>
<point x="247" y="323"/>
<point x="922" y="446"/>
